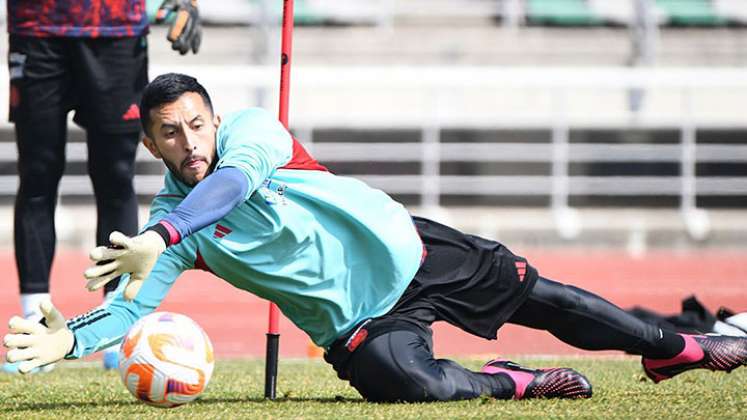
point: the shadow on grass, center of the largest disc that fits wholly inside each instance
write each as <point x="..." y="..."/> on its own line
<point x="201" y="401"/>
<point x="62" y="404"/>
<point x="256" y="400"/>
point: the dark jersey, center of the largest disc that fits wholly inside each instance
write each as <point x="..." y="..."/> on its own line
<point x="77" y="18"/>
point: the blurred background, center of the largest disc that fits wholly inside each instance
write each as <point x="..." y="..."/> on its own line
<point x="545" y="122"/>
<point x="582" y="133"/>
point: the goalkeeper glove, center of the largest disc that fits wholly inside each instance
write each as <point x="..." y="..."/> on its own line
<point x="185" y="32"/>
<point x="35" y="344"/>
<point x="136" y="255"/>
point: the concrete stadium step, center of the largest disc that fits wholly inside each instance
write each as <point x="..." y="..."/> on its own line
<point x="450" y="44"/>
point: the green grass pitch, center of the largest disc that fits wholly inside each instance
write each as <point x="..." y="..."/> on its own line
<point x="309" y="389"/>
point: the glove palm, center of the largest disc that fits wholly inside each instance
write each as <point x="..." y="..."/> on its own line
<point x="136" y="255"/>
<point x="34" y="344"/>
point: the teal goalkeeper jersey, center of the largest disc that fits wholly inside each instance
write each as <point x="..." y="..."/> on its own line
<point x="328" y="250"/>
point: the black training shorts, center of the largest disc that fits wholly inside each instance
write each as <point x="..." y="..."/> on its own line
<point x="100" y="78"/>
<point x="470" y="282"/>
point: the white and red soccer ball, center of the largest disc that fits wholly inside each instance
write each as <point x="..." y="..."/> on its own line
<point x="166" y="359"/>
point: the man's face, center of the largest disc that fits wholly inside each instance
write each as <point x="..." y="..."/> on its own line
<point x="182" y="134"/>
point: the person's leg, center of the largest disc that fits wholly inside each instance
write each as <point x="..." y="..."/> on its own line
<point x="111" y="162"/>
<point x="585" y="320"/>
<point x="39" y="90"/>
<point x="399" y="366"/>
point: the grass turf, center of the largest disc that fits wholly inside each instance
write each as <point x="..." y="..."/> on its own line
<point x="309" y="389"/>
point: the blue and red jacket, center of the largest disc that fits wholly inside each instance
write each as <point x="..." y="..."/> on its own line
<point x="77" y="18"/>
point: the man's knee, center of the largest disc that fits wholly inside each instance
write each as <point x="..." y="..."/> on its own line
<point x="111" y="162"/>
<point x="40" y="177"/>
<point x="112" y="182"/>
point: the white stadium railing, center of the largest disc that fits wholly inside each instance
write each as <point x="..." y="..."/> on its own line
<point x="344" y="95"/>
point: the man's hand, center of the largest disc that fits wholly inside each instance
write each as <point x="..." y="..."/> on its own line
<point x="34" y="344"/>
<point x="186" y="30"/>
<point x="136" y="255"/>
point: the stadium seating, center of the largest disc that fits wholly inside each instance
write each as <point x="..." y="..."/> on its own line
<point x="690" y="12"/>
<point x="534" y="12"/>
<point x="560" y="12"/>
<point x="670" y="12"/>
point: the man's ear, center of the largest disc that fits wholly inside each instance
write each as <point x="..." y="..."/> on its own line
<point x="151" y="146"/>
<point x="216" y="121"/>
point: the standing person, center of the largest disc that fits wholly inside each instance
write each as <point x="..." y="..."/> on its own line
<point x="89" y="56"/>
<point x="345" y="263"/>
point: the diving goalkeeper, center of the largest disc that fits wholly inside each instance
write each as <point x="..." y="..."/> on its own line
<point x="345" y="263"/>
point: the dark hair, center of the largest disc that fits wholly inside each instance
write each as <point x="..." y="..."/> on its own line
<point x="165" y="89"/>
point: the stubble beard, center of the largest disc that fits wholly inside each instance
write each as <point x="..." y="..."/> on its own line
<point x="178" y="175"/>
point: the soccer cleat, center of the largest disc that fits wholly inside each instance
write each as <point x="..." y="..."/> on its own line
<point x="541" y="383"/>
<point x="110" y="359"/>
<point x="735" y="320"/>
<point x="714" y="352"/>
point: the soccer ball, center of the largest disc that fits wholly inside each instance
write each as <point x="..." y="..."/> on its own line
<point x="166" y="359"/>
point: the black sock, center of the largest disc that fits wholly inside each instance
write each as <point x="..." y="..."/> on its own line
<point x="670" y="345"/>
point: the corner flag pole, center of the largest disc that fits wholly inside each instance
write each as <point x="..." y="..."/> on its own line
<point x="273" y="331"/>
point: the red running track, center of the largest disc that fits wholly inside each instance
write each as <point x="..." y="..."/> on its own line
<point x="237" y="321"/>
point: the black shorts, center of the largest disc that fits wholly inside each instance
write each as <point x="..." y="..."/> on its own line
<point x="468" y="281"/>
<point x="102" y="79"/>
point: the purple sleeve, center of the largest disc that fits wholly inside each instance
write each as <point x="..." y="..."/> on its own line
<point x="209" y="201"/>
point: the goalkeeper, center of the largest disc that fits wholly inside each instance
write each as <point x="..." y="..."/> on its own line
<point x="345" y="263"/>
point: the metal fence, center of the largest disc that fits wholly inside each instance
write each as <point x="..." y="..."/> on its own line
<point x="685" y="107"/>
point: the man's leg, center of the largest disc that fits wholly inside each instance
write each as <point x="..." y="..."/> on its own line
<point x="587" y="321"/>
<point x="399" y="366"/>
<point x="39" y="85"/>
<point x="111" y="166"/>
<point x="39" y="88"/>
<point x="41" y="161"/>
<point x="113" y="73"/>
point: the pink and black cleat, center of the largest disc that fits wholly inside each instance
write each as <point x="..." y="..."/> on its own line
<point x="542" y="383"/>
<point x="714" y="352"/>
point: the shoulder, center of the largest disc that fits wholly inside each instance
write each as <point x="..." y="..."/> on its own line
<point x="245" y="117"/>
<point x="252" y="128"/>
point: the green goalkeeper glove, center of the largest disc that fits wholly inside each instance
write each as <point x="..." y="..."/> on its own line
<point x="35" y="344"/>
<point x="136" y="255"/>
<point x="186" y="30"/>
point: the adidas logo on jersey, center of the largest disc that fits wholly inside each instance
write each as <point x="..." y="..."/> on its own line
<point x="221" y="231"/>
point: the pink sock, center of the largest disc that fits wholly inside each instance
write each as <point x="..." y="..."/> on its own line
<point x="691" y="353"/>
<point x="521" y="379"/>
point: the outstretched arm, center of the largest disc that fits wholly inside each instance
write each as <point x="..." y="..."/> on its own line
<point x="37" y="344"/>
<point x="211" y="200"/>
<point x="107" y="324"/>
<point x="250" y="145"/>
